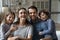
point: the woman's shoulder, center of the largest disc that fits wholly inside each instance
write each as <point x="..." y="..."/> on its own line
<point x="29" y="25"/>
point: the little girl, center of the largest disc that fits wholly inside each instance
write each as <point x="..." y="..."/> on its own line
<point x="8" y="20"/>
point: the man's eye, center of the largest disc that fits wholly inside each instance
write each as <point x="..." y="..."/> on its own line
<point x="9" y="17"/>
<point x="30" y="13"/>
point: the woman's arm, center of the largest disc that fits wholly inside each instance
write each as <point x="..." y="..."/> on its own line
<point x="28" y="38"/>
<point x="18" y="38"/>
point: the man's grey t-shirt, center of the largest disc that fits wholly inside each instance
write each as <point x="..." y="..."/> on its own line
<point x="23" y="31"/>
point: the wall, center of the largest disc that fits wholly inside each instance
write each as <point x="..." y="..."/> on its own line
<point x="0" y="6"/>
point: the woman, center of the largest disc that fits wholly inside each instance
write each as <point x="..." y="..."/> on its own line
<point x="47" y="26"/>
<point x="23" y="28"/>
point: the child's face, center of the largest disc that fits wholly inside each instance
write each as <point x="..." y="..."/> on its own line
<point x="43" y="16"/>
<point x="22" y="14"/>
<point x="10" y="18"/>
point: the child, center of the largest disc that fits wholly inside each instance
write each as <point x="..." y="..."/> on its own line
<point x="8" y="20"/>
<point x="47" y="25"/>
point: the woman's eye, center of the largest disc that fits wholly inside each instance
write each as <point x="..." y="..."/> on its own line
<point x="20" y="13"/>
<point x="23" y="13"/>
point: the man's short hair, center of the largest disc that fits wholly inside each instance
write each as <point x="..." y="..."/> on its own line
<point x="33" y="7"/>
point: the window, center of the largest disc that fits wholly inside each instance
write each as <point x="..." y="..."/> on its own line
<point x="5" y="3"/>
<point x="46" y="5"/>
<point x="10" y="3"/>
<point x="41" y="5"/>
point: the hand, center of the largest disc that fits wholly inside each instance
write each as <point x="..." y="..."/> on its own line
<point x="46" y="39"/>
<point x="12" y="38"/>
<point x="13" y="28"/>
<point x="41" y="39"/>
<point x="40" y="33"/>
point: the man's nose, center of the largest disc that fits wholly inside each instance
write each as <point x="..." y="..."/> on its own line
<point x="32" y="13"/>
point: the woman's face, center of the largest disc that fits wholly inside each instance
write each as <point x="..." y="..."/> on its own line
<point x="22" y="14"/>
<point x="43" y="16"/>
<point x="10" y="18"/>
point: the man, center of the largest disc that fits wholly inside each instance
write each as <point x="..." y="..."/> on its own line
<point x="33" y="14"/>
<point x="33" y="20"/>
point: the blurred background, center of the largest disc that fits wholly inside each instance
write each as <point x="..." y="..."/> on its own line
<point x="53" y="6"/>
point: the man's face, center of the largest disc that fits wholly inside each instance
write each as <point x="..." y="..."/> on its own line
<point x="32" y="14"/>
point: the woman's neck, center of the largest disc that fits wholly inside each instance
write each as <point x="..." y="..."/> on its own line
<point x="22" y="23"/>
